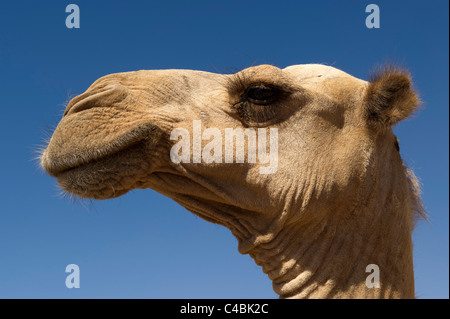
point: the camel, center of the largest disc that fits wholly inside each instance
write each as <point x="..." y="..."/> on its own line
<point x="340" y="201"/>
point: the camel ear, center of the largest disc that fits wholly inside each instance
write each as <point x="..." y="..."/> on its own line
<point x="389" y="97"/>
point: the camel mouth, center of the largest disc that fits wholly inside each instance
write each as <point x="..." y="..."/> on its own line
<point x="57" y="164"/>
<point x="110" y="176"/>
<point x="58" y="167"/>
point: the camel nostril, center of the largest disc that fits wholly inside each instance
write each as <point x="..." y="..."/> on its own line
<point x="97" y="97"/>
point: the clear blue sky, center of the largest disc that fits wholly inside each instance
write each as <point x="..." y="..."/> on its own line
<point x="144" y="245"/>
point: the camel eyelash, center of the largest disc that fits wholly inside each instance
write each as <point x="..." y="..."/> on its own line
<point x="240" y="85"/>
<point x="261" y="106"/>
<point x="237" y="83"/>
<point x="258" y="100"/>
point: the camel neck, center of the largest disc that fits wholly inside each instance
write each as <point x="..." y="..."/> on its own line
<point x="336" y="242"/>
<point x="334" y="257"/>
<point x="341" y="263"/>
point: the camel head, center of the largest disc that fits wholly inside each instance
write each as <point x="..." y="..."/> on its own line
<point x="300" y="163"/>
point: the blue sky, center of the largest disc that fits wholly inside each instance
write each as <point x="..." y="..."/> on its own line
<point x="143" y="245"/>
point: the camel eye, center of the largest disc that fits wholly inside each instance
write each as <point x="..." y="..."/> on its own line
<point x="261" y="103"/>
<point x="261" y="94"/>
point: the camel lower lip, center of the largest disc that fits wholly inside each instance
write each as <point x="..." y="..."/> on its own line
<point x="55" y="165"/>
<point x="57" y="171"/>
<point x="80" y="167"/>
<point x="103" y="178"/>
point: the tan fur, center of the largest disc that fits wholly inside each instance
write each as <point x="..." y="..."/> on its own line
<point x="341" y="198"/>
<point x="389" y="98"/>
